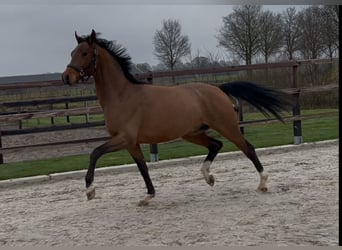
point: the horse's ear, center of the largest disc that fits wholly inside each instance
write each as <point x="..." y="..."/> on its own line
<point x="78" y="39"/>
<point x="92" y="37"/>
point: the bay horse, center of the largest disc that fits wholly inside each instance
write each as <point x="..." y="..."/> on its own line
<point x="136" y="113"/>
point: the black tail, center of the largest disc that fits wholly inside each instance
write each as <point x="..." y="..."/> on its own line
<point x="264" y="99"/>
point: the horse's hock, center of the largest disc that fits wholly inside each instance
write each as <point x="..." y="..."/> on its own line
<point x="300" y="207"/>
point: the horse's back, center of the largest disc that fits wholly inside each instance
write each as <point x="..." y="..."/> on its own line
<point x="192" y="97"/>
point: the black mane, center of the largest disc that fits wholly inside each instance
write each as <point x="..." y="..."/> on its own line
<point x="119" y="53"/>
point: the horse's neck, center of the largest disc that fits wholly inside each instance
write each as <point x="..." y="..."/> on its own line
<point x="109" y="79"/>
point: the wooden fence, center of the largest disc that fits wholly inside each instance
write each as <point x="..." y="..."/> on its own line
<point x="18" y="116"/>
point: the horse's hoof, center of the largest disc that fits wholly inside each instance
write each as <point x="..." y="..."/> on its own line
<point x="211" y="180"/>
<point x="263" y="180"/>
<point x="90" y="192"/>
<point x="146" y="200"/>
<point x="263" y="189"/>
<point x="143" y="203"/>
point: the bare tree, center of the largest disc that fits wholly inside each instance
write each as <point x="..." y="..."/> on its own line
<point x="169" y="43"/>
<point x="191" y="58"/>
<point x="201" y="62"/>
<point x="240" y="32"/>
<point x="291" y="31"/>
<point x="214" y="58"/>
<point x="270" y="33"/>
<point x="330" y="24"/>
<point x="311" y="41"/>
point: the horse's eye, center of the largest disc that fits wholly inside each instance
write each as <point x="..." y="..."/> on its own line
<point x="84" y="54"/>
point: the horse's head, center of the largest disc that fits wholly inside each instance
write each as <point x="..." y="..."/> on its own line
<point x="83" y="60"/>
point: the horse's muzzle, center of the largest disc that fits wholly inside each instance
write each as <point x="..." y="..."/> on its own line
<point x="69" y="77"/>
<point x="66" y="79"/>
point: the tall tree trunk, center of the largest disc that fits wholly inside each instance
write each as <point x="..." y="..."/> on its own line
<point x="173" y="77"/>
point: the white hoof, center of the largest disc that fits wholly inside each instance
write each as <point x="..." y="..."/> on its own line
<point x="263" y="180"/>
<point x="144" y="202"/>
<point x="209" y="178"/>
<point x="90" y="192"/>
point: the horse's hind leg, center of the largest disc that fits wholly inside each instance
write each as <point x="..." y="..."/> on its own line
<point x="251" y="154"/>
<point x="235" y="136"/>
<point x="213" y="146"/>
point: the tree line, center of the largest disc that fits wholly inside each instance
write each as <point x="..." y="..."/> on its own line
<point x="252" y="34"/>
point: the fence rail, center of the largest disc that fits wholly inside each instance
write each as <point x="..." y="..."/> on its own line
<point x="51" y="113"/>
<point x="15" y="116"/>
<point x="241" y="124"/>
<point x="48" y="101"/>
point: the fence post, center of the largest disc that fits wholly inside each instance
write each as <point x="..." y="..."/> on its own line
<point x="1" y="155"/>
<point x="87" y="114"/>
<point x="20" y="121"/>
<point x="297" y="125"/>
<point x="67" y="117"/>
<point x="52" y="118"/>
<point x="154" y="155"/>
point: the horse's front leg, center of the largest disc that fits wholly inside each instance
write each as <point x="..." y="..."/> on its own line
<point x="138" y="157"/>
<point x="114" y="144"/>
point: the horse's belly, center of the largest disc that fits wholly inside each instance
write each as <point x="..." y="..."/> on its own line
<point x="168" y="126"/>
<point x="161" y="133"/>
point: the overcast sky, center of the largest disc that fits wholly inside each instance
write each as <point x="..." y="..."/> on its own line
<point x="38" y="38"/>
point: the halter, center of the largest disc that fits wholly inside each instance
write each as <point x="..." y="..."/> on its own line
<point x="84" y="71"/>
